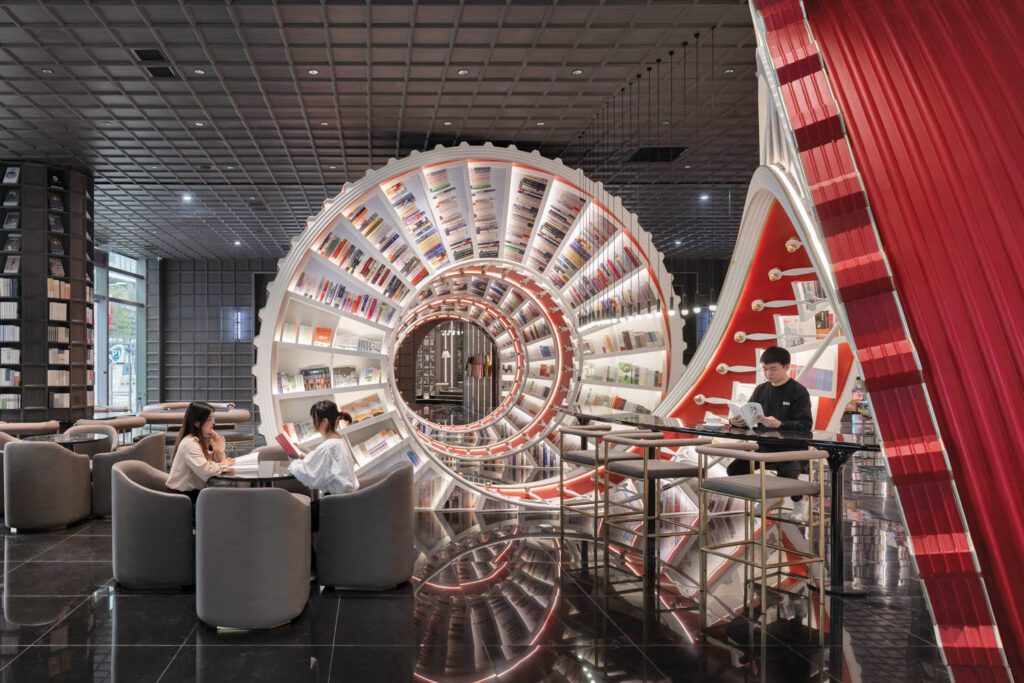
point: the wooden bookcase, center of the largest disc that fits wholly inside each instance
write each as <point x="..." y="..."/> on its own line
<point x="51" y="238"/>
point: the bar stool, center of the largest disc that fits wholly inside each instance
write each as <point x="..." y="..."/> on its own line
<point x="588" y="458"/>
<point x="650" y="468"/>
<point x="760" y="487"/>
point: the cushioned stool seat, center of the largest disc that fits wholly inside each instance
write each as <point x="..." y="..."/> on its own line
<point x="656" y="469"/>
<point x="749" y="486"/>
<point x="586" y="457"/>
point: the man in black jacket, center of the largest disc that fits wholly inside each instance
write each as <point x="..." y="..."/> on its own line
<point x="787" y="408"/>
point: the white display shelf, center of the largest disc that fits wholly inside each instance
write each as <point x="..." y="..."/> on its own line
<point x="616" y="354"/>
<point x="622" y="385"/>
<point x="344" y="315"/>
<point x="315" y="393"/>
<point x="400" y="447"/>
<point x="330" y="350"/>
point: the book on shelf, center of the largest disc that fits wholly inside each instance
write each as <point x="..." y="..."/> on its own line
<point x="288" y="382"/>
<point x="56" y="222"/>
<point x="55" y="201"/>
<point x="13" y="242"/>
<point x="58" y="378"/>
<point x="323" y="336"/>
<point x="12" y="199"/>
<point x="370" y="375"/>
<point x="11" y="220"/>
<point x="58" y="289"/>
<point x="299" y="431"/>
<point x="12" y="265"/>
<point x="60" y="399"/>
<point x="10" y="401"/>
<point x="305" y="335"/>
<point x="57" y="268"/>
<point x="10" y="333"/>
<point x="316" y="378"/>
<point x="376" y="445"/>
<point x="12" y="175"/>
<point x="289" y="333"/>
<point x="58" y="335"/>
<point x="56" y="246"/>
<point x="59" y="356"/>
<point x="345" y="376"/>
<point x="363" y="408"/>
<point x="10" y="356"/>
<point x="58" y="310"/>
<point x="9" y="310"/>
<point x="10" y="377"/>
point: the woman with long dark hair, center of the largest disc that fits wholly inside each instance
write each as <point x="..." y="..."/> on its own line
<point x="198" y="451"/>
<point x="330" y="466"/>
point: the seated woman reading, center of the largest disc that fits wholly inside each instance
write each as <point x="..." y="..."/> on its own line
<point x="330" y="466"/>
<point x="198" y="451"/>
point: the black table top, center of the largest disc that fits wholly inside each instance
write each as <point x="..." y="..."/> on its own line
<point x="270" y="470"/>
<point x="90" y="437"/>
<point x="814" y="439"/>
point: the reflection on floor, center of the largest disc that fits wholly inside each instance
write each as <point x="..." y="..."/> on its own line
<point x="496" y="597"/>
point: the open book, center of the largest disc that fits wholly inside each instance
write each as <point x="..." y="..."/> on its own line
<point x="246" y="463"/>
<point x="748" y="411"/>
<point x="289" y="446"/>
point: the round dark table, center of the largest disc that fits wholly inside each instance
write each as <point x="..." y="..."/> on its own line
<point x="264" y="476"/>
<point x="69" y="441"/>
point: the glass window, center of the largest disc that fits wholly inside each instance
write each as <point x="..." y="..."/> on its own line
<point x="120" y="339"/>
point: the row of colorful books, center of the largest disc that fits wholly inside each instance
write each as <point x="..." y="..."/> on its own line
<point x="624" y="373"/>
<point x="625" y="340"/>
<point x="601" y="275"/>
<point x="523" y="215"/>
<point x="485" y="210"/>
<point x="388" y="241"/>
<point x="444" y="197"/>
<point x="346" y="255"/>
<point x="323" y="377"/>
<point x="592" y="235"/>
<point x="562" y="211"/>
<point x="334" y="294"/>
<point x="417" y="223"/>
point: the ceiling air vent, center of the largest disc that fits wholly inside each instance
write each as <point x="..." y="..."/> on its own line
<point x="154" y="61"/>
<point x="661" y="154"/>
<point x="149" y="54"/>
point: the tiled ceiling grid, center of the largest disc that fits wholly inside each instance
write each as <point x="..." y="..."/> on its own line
<point x="258" y="140"/>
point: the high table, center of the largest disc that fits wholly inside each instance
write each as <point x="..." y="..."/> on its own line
<point x="840" y="448"/>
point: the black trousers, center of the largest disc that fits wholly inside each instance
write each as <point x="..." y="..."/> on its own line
<point x="790" y="469"/>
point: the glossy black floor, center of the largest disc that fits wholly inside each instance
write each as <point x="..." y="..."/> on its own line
<point x="491" y="601"/>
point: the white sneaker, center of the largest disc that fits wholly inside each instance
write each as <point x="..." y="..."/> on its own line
<point x="799" y="511"/>
<point x="772" y="505"/>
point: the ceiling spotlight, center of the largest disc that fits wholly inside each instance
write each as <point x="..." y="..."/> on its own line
<point x="462" y="72"/>
<point x="577" y="72"/>
<point x="678" y="243"/>
<point x="687" y="166"/>
<point x="665" y="123"/>
<point x="238" y="243"/>
<point x="729" y="72"/>
<point x="541" y="123"/>
<point x="332" y="168"/>
<point x="696" y="310"/>
<point x="447" y="123"/>
<point x="231" y="168"/>
<point x="200" y="124"/>
<point x="252" y="199"/>
<point x="106" y="123"/>
<point x="705" y="197"/>
<point x="48" y="71"/>
<point x="199" y="72"/>
<point x="313" y="72"/>
<point x="186" y="197"/>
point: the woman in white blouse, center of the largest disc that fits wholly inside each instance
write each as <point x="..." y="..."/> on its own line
<point x="329" y="467"/>
<point x="198" y="451"/>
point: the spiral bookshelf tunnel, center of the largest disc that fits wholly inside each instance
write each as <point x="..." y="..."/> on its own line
<point x="543" y="264"/>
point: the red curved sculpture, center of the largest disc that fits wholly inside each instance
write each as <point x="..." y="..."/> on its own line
<point x="926" y="95"/>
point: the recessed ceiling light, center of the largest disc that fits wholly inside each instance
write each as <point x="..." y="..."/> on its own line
<point x="577" y="72"/>
<point x="313" y="72"/>
<point x="186" y="197"/>
<point x="705" y="197"/>
<point x="462" y="72"/>
<point x="678" y="243"/>
<point x="666" y="123"/>
<point x="323" y="124"/>
<point x="332" y="168"/>
<point x="153" y="168"/>
<point x="447" y="123"/>
<point x="231" y="168"/>
<point x="48" y="72"/>
<point x="200" y="124"/>
<point x="729" y="72"/>
<point x="199" y="72"/>
<point x="696" y="309"/>
<point x="687" y="166"/>
<point x="541" y="123"/>
<point x="238" y="243"/>
<point x="252" y="199"/>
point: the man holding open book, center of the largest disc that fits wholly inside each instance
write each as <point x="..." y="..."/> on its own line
<point x="786" y="405"/>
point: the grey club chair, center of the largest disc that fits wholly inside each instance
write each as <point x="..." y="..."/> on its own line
<point x="149" y="450"/>
<point x="91" y="449"/>
<point x="365" y="540"/>
<point x="5" y="439"/>
<point x="252" y="557"/>
<point x="45" y="486"/>
<point x="153" y="543"/>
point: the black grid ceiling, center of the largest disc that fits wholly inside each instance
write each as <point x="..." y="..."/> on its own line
<point x="262" y="162"/>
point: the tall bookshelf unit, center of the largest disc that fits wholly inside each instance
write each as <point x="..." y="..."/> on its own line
<point x="560" y="276"/>
<point x="47" y="356"/>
